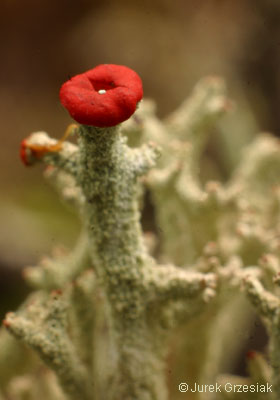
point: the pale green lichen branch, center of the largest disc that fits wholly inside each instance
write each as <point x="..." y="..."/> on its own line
<point x="65" y="158"/>
<point x="54" y="273"/>
<point x="144" y="158"/>
<point x="66" y="186"/>
<point x="44" y="328"/>
<point x="259" y="167"/>
<point x="258" y="368"/>
<point x="267" y="303"/>
<point x="84" y="306"/>
<point x="206" y="103"/>
<point x="168" y="282"/>
<point x="268" y="306"/>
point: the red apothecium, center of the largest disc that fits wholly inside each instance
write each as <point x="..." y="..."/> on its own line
<point x="103" y="96"/>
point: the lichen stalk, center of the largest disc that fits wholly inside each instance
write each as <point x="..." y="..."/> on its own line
<point x="110" y="187"/>
<point x="107" y="176"/>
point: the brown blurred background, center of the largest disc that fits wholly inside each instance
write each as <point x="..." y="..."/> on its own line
<point x="170" y="43"/>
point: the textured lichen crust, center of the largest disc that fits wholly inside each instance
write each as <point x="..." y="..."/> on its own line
<point x="102" y="318"/>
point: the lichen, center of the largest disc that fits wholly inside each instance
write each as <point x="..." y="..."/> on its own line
<point x="102" y="319"/>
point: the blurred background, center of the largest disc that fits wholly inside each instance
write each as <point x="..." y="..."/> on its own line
<point x="170" y="43"/>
